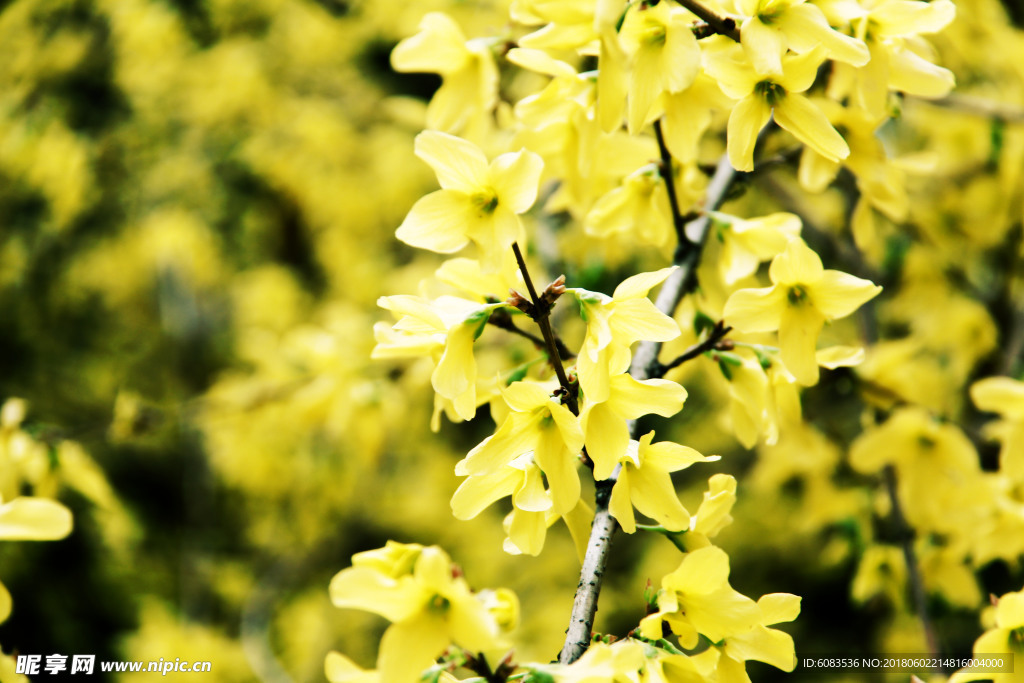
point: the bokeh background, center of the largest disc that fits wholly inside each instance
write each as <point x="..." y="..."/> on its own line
<point x="197" y="211"/>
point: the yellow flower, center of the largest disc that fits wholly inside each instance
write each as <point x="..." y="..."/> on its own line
<point x="697" y="599"/>
<point x="469" y="88"/>
<point x="1004" y="638"/>
<point x="713" y="515"/>
<point x="645" y="483"/>
<point x="477" y="201"/>
<point x="760" y="643"/>
<point x="604" y="424"/>
<point x="638" y="208"/>
<point x="762" y="96"/>
<point x="664" y="55"/>
<point x="936" y="464"/>
<point x="614" y="323"/>
<point x="1004" y="396"/>
<point x="539" y="423"/>
<point x="772" y="26"/>
<point x="444" y="328"/>
<point x="891" y="29"/>
<point x="746" y="243"/>
<point x="414" y="588"/>
<point x="803" y="297"/>
<point x="601" y="663"/>
<point x="523" y="480"/>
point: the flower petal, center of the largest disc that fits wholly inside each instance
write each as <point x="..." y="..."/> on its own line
<point x="764" y="46"/>
<point x="515" y="177"/>
<point x="798" y="337"/>
<point x="438" y="222"/>
<point x="34" y="519"/>
<point x="747" y="119"/>
<point x="755" y="310"/>
<point x="839" y="294"/>
<point x="808" y="124"/>
<point x="458" y="163"/>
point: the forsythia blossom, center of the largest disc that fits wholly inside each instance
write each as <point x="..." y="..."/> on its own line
<point x="429" y="604"/>
<point x="477" y="202"/>
<point x="803" y="297"/>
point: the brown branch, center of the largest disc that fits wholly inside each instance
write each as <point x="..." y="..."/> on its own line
<point x="715" y="341"/>
<point x="668" y="175"/>
<point x="503" y="321"/>
<point x="724" y="25"/>
<point x="906" y="535"/>
<point x="541" y="314"/>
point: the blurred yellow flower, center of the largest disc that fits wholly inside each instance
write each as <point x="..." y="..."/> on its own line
<point x="429" y="606"/>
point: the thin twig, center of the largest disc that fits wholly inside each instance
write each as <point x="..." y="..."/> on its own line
<point x="1001" y="111"/>
<point x="645" y="363"/>
<point x="542" y="316"/>
<point x="906" y="534"/>
<point x="668" y="175"/>
<point x="724" y="25"/>
<point x="714" y="341"/>
<point x="502" y="320"/>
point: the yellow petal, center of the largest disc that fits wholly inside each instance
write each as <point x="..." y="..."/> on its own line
<point x="515" y="436"/>
<point x="560" y="468"/>
<point x="915" y="75"/>
<point x="607" y="438"/>
<point x="653" y="494"/>
<point x="778" y="608"/>
<point x="527" y="531"/>
<point x="701" y="572"/>
<point x="439" y="47"/>
<point x="1010" y="611"/>
<point x="680" y="60"/>
<point x="671" y="457"/>
<point x="340" y="669"/>
<point x="515" y="177"/>
<point x="458" y="163"/>
<point x="579" y="520"/>
<point x="410" y="647"/>
<point x="1001" y="395"/>
<point x="476" y="493"/>
<point x="525" y="396"/>
<point x="798" y="265"/>
<point x="764" y="46"/>
<point x="636" y="319"/>
<point x="530" y="494"/>
<point x="455" y="374"/>
<point x="808" y="124"/>
<point x="5" y="603"/>
<point x="798" y="337"/>
<point x="755" y="310"/>
<point x="34" y="519"/>
<point x="438" y="222"/>
<point x="840" y="357"/>
<point x="631" y="398"/>
<point x="640" y="284"/>
<point x="747" y="119"/>
<point x="898" y="18"/>
<point x="805" y="28"/>
<point x="368" y="589"/>
<point x="839" y="294"/>
<point x="620" y="506"/>
<point x="644" y="86"/>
